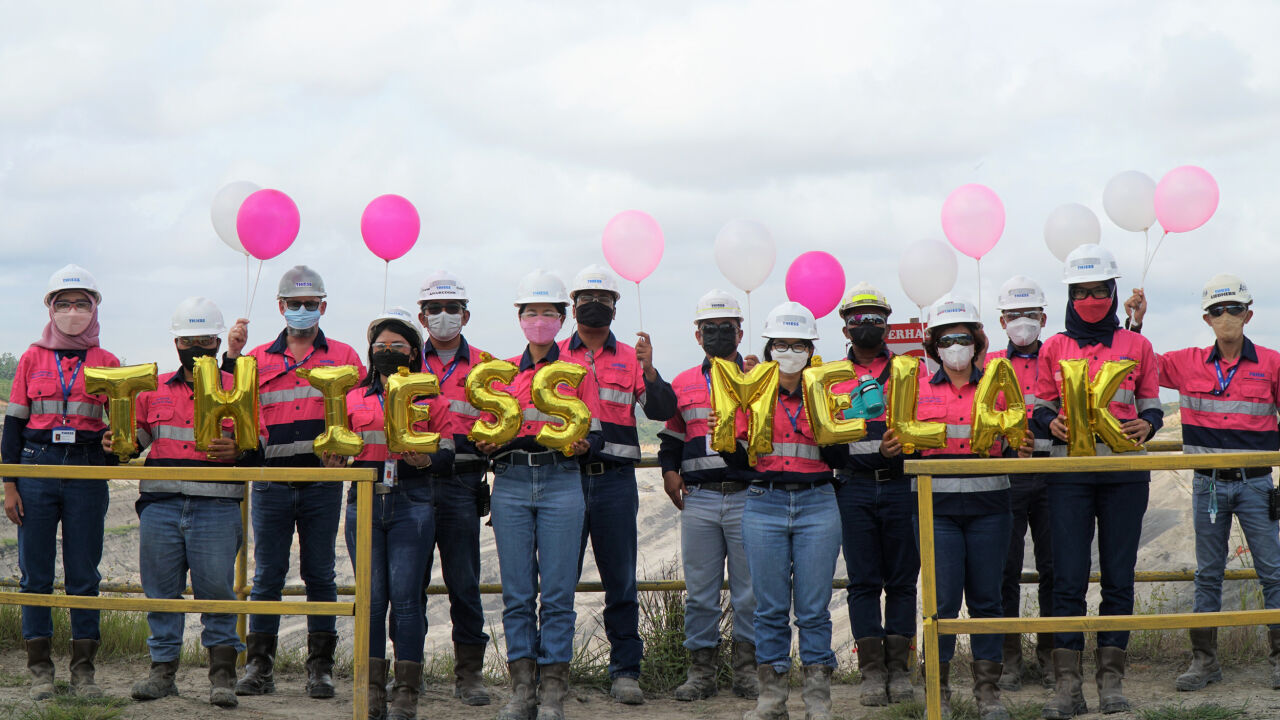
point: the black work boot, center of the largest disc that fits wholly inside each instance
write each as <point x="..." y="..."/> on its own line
<point x="553" y="686"/>
<point x="745" y="682"/>
<point x="522" y="704"/>
<point x="468" y="674"/>
<point x="1110" y="677"/>
<point x="986" y="690"/>
<point x="41" y="668"/>
<point x="1011" y="675"/>
<point x="897" y="660"/>
<point x="700" y="683"/>
<point x="404" y="693"/>
<point x="874" y="691"/>
<point x="83" y="653"/>
<point x="260" y="659"/>
<point x="320" y="649"/>
<point x="1204" y="661"/>
<point x="1068" y="697"/>
<point x="377" y="688"/>
<point x="222" y="676"/>
<point x="159" y="683"/>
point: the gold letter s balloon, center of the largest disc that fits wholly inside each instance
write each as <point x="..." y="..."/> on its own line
<point x="212" y="403"/>
<point x="505" y="409"/>
<point x="548" y="400"/>
<point x="334" y="383"/>
<point x="121" y="385"/>
<point x="904" y="390"/>
<point x="402" y="413"/>
<point x="755" y="392"/>
<point x="988" y="423"/>
<point x="1086" y="405"/>
<point x="822" y="406"/>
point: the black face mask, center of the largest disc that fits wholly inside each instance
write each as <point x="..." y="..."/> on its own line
<point x="867" y="337"/>
<point x="720" y="340"/>
<point x="595" y="315"/>
<point x="387" y="362"/>
<point x="188" y="356"/>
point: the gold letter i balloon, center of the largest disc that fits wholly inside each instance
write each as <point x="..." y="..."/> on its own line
<point x="822" y="406"/>
<point x="988" y="423"/>
<point x="756" y="393"/>
<point x="904" y="390"/>
<point x="573" y="412"/>
<point x="504" y="407"/>
<point x="1086" y="406"/>
<point x="402" y="413"/>
<point x="334" y="383"/>
<point x="212" y="403"/>
<point x="121" y="385"/>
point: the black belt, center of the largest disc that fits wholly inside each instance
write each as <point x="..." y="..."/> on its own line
<point x="881" y="475"/>
<point x="724" y="488"/>
<point x="538" y="459"/>
<point x="601" y="467"/>
<point x="791" y="487"/>
<point x="470" y="466"/>
<point x="1234" y="475"/>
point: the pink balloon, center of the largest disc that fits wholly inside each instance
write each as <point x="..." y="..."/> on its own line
<point x="816" y="281"/>
<point x="973" y="219"/>
<point x="390" y="226"/>
<point x="267" y="223"/>
<point x="1186" y="197"/>
<point x="633" y="244"/>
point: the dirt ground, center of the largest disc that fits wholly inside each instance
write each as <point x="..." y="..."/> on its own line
<point x="1147" y="686"/>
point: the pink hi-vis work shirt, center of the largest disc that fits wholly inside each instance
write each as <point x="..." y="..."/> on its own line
<point x="521" y="388"/>
<point x="796" y="458"/>
<point x="453" y="386"/>
<point x="1027" y="367"/>
<point x="1238" y="417"/>
<point x="48" y="392"/>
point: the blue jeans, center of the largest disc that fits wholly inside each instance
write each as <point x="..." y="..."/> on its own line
<point x="969" y="553"/>
<point x="276" y="508"/>
<point x="400" y="556"/>
<point x="880" y="555"/>
<point x="612" y="503"/>
<point x="1247" y="501"/>
<point x="1117" y="508"/>
<point x="710" y="535"/>
<point x="792" y="540"/>
<point x="81" y="507"/>
<point x="458" y="537"/>
<point x="537" y="526"/>
<point x="202" y="535"/>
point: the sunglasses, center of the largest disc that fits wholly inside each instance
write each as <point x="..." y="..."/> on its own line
<point x="298" y="304"/>
<point x="452" y="308"/>
<point x="203" y="341"/>
<point x="583" y="298"/>
<point x="63" y="306"/>
<point x="1235" y="309"/>
<point x="724" y="328"/>
<point x="394" y="347"/>
<point x="1100" y="292"/>
<point x="1019" y="314"/>
<point x="857" y="319"/>
<point x="947" y="341"/>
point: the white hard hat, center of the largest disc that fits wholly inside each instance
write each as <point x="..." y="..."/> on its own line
<point x="715" y="305"/>
<point x="541" y="286"/>
<point x="790" y="320"/>
<point x="864" y="294"/>
<point x="951" y="309"/>
<point x="442" y="285"/>
<point x="400" y="316"/>
<point x="196" y="316"/>
<point x="1090" y="263"/>
<point x="1224" y="287"/>
<point x="1019" y="292"/>
<point x="300" y="281"/>
<point x="71" y="277"/>
<point x="594" y="277"/>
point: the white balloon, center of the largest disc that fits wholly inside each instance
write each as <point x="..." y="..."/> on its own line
<point x="745" y="253"/>
<point x="1129" y="200"/>
<point x="226" y="205"/>
<point x="927" y="271"/>
<point x="1070" y="226"/>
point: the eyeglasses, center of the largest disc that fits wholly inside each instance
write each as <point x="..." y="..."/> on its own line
<point x="1080" y="293"/>
<point x="203" y="341"/>
<point x="784" y="346"/>
<point x="865" y="319"/>
<point x="585" y="297"/>
<point x="947" y="341"/>
<point x="63" y="306"/>
<point x="398" y="347"/>
<point x="549" y="312"/>
<point x="452" y="308"/>
<point x="1019" y="314"/>
<point x="298" y="304"/>
<point x="1236" y="309"/>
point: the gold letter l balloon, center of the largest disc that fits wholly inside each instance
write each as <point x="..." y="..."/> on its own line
<point x="904" y="390"/>
<point x="402" y="413"/>
<point x="547" y="399"/>
<point x="504" y="408"/>
<point x="822" y="406"/>
<point x="212" y="403"/>
<point x="121" y="385"/>
<point x="988" y="423"/>
<point x="755" y="392"/>
<point x="334" y="383"/>
<point x="1086" y="402"/>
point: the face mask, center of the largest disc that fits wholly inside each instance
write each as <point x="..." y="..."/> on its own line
<point x="72" y="323"/>
<point x="540" y="329"/>
<point x="867" y="337"/>
<point x="387" y="362"/>
<point x="790" y="361"/>
<point x="444" y="326"/>
<point x="1228" y="327"/>
<point x="1092" y="309"/>
<point x="302" y="318"/>
<point x="718" y="342"/>
<point x="1023" y="331"/>
<point x="956" y="357"/>
<point x="594" y="315"/>
<point x="188" y="356"/>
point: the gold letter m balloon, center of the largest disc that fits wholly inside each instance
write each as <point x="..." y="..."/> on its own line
<point x="1086" y="402"/>
<point x="755" y="392"/>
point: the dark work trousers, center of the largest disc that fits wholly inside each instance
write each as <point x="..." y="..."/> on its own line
<point x="1029" y="497"/>
<point x="880" y="554"/>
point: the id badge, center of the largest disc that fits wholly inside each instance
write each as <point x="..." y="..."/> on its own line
<point x="709" y="450"/>
<point x="64" y="435"/>
<point x="389" y="473"/>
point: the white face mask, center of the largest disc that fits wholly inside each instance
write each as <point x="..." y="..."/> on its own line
<point x="790" y="361"/>
<point x="444" y="326"/>
<point x="1023" y="331"/>
<point x="956" y="357"/>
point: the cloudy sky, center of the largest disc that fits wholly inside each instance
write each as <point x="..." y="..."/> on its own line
<point x="519" y="129"/>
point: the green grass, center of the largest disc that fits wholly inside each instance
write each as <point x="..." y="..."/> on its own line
<point x="69" y="707"/>
<point x="961" y="709"/>
<point x="124" y="634"/>
<point x="1181" y="711"/>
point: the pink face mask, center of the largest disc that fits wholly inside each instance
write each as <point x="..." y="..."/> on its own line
<point x="540" y="329"/>
<point x="73" y="322"/>
<point x="1092" y="309"/>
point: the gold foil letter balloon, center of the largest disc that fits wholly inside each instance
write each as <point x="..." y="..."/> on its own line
<point x="121" y="385"/>
<point x="212" y="403"/>
<point x="334" y="383"/>
<point x="1085" y="404"/>
<point x="574" y="413"/>
<point x="988" y="423"/>
<point x="401" y="413"/>
<point x="823" y="406"/>
<point x="904" y="390"/>
<point x="756" y="393"/>
<point x="504" y="407"/>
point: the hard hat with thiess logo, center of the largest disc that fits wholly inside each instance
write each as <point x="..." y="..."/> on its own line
<point x="717" y="305"/>
<point x="541" y="286"/>
<point x="300" y="281"/>
<point x="594" y="277"/>
<point x="865" y="295"/>
<point x="1090" y="263"/>
<point x="790" y="320"/>
<point x="1223" y="288"/>
<point x="195" y="317"/>
<point x="71" y="277"/>
<point x="400" y="317"/>
<point x="951" y="309"/>
<point x="442" y="285"/>
<point x="1020" y="292"/>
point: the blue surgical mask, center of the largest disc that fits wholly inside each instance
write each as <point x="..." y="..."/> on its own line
<point x="302" y="318"/>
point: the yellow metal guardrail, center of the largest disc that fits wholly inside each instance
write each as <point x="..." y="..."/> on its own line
<point x="359" y="608"/>
<point x="924" y="470"/>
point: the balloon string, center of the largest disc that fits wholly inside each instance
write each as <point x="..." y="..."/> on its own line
<point x="978" y="261"/>
<point x="639" y="306"/>
<point x="386" y="270"/>
<point x="1153" y="257"/>
<point x="254" y="293"/>
<point x="246" y="284"/>
<point x="750" y="333"/>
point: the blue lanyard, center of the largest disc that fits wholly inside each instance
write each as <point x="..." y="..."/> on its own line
<point x="291" y="368"/>
<point x="1223" y="382"/>
<point x="449" y="370"/>
<point x="67" y="387"/>
<point x="793" y="418"/>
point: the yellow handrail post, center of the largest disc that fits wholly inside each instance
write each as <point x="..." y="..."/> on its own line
<point x="929" y="599"/>
<point x="360" y="647"/>
<point x="242" y="570"/>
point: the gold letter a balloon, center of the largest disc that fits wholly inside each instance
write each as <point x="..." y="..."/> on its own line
<point x="988" y="423"/>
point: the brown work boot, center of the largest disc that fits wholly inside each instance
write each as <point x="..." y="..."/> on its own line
<point x="222" y="676"/>
<point x="701" y="681"/>
<point x="320" y="649"/>
<point x="1068" y="698"/>
<point x="986" y="691"/>
<point x="1273" y="635"/>
<point x="874" y="691"/>
<point x="1044" y="658"/>
<point x="897" y="660"/>
<point x="1204" y="661"/>
<point x="260" y="659"/>
<point x="1110" y="677"/>
<point x="377" y="688"/>
<point x="41" y="667"/>
<point x="553" y="686"/>
<point x="745" y="683"/>
<point x="159" y="683"/>
<point x="468" y="674"/>
<point x="774" y="689"/>
<point x="817" y="692"/>
<point x="403" y="701"/>
<point x="83" y="653"/>
<point x="1011" y="675"/>
<point x="521" y="706"/>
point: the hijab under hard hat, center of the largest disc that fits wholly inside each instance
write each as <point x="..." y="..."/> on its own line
<point x="1101" y="332"/>
<point x="54" y="339"/>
